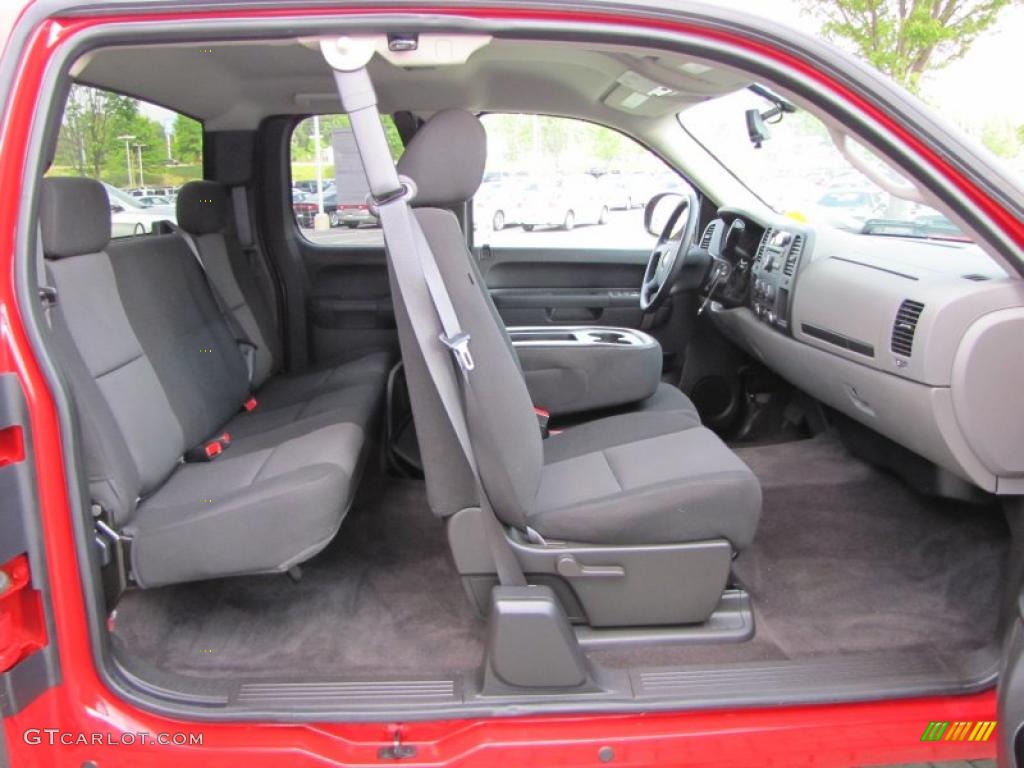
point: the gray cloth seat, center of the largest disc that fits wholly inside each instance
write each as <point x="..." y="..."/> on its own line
<point x="653" y="475"/>
<point x="203" y="212"/>
<point x="155" y="370"/>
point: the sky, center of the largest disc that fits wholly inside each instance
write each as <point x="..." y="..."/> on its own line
<point x="978" y="88"/>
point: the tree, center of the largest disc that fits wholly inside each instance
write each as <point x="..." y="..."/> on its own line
<point x="93" y="119"/>
<point x="188" y="140"/>
<point x="906" y="38"/>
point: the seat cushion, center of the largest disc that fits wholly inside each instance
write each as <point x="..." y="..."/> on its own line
<point x="667" y="410"/>
<point x="672" y="487"/>
<point x="261" y="510"/>
<point x="291" y="388"/>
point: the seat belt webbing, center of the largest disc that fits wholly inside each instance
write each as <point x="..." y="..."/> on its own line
<point x="425" y="295"/>
<point x="245" y="343"/>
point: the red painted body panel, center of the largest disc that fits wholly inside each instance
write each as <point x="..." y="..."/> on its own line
<point x="839" y="735"/>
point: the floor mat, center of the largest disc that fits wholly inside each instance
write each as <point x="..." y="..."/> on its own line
<point x="383" y="600"/>
<point x="847" y="558"/>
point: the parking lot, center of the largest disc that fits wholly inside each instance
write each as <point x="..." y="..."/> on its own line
<point x="623" y="230"/>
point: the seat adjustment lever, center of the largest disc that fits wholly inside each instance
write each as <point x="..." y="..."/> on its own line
<point x="570" y="568"/>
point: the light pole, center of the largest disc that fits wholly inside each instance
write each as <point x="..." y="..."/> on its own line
<point x="142" y="181"/>
<point x="320" y="221"/>
<point x="128" y="156"/>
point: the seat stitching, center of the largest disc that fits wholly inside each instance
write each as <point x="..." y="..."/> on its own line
<point x="615" y="477"/>
<point x="119" y="366"/>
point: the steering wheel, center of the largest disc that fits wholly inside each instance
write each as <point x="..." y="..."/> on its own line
<point x="673" y="252"/>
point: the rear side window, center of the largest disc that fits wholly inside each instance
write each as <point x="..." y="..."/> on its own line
<point x="141" y="152"/>
<point x="334" y="213"/>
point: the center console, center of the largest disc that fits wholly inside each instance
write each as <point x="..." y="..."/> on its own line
<point x="773" y="274"/>
<point x="571" y="369"/>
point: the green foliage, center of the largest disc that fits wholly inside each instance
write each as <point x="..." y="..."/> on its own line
<point x="303" y="146"/>
<point x="89" y="143"/>
<point x="554" y="144"/>
<point x="906" y="38"/>
<point x="1002" y="138"/>
<point x="188" y="139"/>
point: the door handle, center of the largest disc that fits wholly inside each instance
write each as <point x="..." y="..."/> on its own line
<point x="569" y="567"/>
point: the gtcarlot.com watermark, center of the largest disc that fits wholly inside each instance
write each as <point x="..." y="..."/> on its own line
<point x="55" y="737"/>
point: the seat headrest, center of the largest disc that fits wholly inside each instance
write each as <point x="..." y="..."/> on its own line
<point x="74" y="217"/>
<point x="446" y="159"/>
<point x="202" y="207"/>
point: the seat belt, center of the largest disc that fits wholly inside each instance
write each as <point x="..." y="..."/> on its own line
<point x="243" y="229"/>
<point x="415" y="268"/>
<point x="245" y="343"/>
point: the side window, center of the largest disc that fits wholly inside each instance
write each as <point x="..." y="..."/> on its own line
<point x="554" y="182"/>
<point x="334" y="213"/>
<point x="142" y="153"/>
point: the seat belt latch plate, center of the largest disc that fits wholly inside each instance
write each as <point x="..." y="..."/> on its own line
<point x="459" y="346"/>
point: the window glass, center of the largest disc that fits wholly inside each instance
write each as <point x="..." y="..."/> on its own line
<point x="141" y="152"/>
<point x="554" y="182"/>
<point x="335" y="213"/>
<point x="797" y="169"/>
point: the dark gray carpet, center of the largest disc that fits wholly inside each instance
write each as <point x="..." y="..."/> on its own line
<point x="383" y="600"/>
<point x="846" y="559"/>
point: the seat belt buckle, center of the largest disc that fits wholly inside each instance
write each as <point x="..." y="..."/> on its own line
<point x="543" y="417"/>
<point x="208" y="451"/>
<point x="459" y="346"/>
<point x="251" y="404"/>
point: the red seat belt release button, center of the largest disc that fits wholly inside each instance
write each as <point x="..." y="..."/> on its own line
<point x="224" y="439"/>
<point x="251" y="404"/>
<point x="213" y="449"/>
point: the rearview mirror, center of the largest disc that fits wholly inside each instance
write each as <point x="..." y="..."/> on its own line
<point x="756" y="128"/>
<point x="658" y="211"/>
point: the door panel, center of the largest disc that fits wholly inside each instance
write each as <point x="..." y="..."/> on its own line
<point x="349" y="307"/>
<point x="539" y="287"/>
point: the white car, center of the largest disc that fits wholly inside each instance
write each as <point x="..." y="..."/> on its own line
<point x="564" y="203"/>
<point x="128" y="217"/>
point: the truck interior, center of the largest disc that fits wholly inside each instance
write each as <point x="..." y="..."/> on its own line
<point x="738" y="455"/>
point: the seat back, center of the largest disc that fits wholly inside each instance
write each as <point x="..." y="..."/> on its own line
<point x="168" y="303"/>
<point x="445" y="159"/>
<point x="131" y="437"/>
<point x="203" y="212"/>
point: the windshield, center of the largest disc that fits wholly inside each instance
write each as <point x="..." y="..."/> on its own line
<point x="799" y="171"/>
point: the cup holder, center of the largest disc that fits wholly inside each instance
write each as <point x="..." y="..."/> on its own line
<point x="608" y="337"/>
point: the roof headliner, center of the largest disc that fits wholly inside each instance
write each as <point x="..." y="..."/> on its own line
<point x="244" y="82"/>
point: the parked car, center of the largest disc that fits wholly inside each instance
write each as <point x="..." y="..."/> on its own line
<point x="499" y="203"/>
<point x="563" y="202"/>
<point x="128" y="216"/>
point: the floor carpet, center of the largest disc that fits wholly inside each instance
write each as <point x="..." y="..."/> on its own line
<point x="846" y="559"/>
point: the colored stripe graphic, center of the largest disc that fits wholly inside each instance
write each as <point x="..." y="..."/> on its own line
<point x="959" y="731"/>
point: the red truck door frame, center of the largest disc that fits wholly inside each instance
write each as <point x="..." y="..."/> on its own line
<point x="32" y="466"/>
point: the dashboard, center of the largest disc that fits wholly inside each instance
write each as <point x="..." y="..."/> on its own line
<point x="919" y="340"/>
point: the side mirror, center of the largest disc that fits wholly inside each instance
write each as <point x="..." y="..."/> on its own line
<point x="756" y="128"/>
<point x="658" y="211"/>
<point x="115" y="208"/>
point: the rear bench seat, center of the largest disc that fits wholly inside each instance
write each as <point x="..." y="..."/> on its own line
<point x="203" y="214"/>
<point x="155" y="371"/>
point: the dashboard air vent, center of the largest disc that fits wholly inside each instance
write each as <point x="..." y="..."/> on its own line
<point x="762" y="245"/>
<point x="709" y="234"/>
<point x="905" y="326"/>
<point x="794" y="255"/>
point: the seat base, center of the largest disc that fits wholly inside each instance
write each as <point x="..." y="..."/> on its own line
<point x="602" y="586"/>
